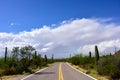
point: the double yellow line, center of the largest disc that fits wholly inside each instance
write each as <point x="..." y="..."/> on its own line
<point x="60" y="72"/>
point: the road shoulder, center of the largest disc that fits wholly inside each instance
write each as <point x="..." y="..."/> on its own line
<point x="92" y="73"/>
<point x="81" y="71"/>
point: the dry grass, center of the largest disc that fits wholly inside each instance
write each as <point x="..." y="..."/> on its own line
<point x="12" y="76"/>
<point x="77" y="67"/>
<point x="92" y="72"/>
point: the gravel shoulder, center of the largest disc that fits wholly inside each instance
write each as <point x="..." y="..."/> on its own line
<point x="16" y="78"/>
<point x="13" y="77"/>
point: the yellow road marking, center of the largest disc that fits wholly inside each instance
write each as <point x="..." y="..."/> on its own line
<point x="60" y="72"/>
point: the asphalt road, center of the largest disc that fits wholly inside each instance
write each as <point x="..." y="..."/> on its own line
<point x="59" y="71"/>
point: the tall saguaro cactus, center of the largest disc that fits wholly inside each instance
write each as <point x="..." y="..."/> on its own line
<point x="35" y="54"/>
<point x="52" y="57"/>
<point x="89" y="54"/>
<point x="6" y="54"/>
<point x="45" y="58"/>
<point x="96" y="54"/>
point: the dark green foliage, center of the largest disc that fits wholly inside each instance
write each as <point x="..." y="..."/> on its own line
<point x="109" y="65"/>
<point x="83" y="61"/>
<point x="75" y="59"/>
<point x="15" y="53"/>
<point x="1" y="62"/>
<point x="26" y="53"/>
<point x="5" y="54"/>
<point x="14" y="67"/>
<point x="36" y="60"/>
<point x="22" y="59"/>
<point x="96" y="54"/>
<point x="60" y="60"/>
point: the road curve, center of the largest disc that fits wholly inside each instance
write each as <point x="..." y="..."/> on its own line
<point x="59" y="71"/>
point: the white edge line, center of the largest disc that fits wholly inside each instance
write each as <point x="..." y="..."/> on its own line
<point x="81" y="72"/>
<point x="34" y="73"/>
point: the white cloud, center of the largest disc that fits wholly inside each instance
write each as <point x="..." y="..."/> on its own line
<point x="44" y="49"/>
<point x="13" y="24"/>
<point x="104" y="47"/>
<point x="48" y="44"/>
<point x="69" y="37"/>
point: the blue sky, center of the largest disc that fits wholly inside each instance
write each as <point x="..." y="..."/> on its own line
<point x="60" y="27"/>
<point x="20" y="15"/>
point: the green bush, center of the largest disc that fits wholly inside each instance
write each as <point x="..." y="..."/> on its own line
<point x="110" y="66"/>
<point x="81" y="60"/>
<point x="1" y="62"/>
<point x="85" y="62"/>
<point x="75" y="60"/>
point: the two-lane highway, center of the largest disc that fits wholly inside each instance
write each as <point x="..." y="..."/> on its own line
<point x="59" y="71"/>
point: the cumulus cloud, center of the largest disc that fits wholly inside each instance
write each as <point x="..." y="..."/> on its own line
<point x="105" y="47"/>
<point x="71" y="36"/>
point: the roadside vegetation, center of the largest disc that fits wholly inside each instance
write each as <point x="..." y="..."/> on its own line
<point x="106" y="65"/>
<point x="22" y="60"/>
<point x="27" y="60"/>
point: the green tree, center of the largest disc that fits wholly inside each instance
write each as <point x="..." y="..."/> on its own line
<point x="15" y="53"/>
<point x="15" y="65"/>
<point x="26" y="53"/>
<point x="30" y="50"/>
<point x="5" y="54"/>
<point x="96" y="54"/>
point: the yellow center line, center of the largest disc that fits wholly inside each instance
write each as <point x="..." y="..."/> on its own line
<point x="60" y="72"/>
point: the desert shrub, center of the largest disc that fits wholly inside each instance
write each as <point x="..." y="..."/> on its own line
<point x="2" y="64"/>
<point x="75" y="60"/>
<point x="83" y="61"/>
<point x="110" y="66"/>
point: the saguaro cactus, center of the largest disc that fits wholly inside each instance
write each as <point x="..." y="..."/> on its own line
<point x="96" y="54"/>
<point x="90" y="54"/>
<point x="52" y="57"/>
<point x="35" y="54"/>
<point x="45" y="58"/>
<point x="5" y="54"/>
